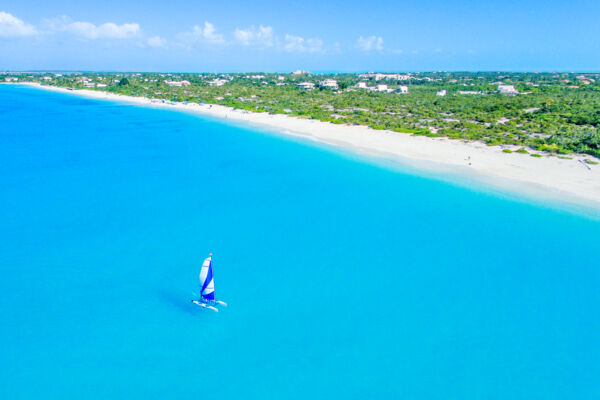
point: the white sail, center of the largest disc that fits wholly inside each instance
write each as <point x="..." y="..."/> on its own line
<point x="207" y="281"/>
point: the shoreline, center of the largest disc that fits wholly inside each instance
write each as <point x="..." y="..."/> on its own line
<point x="567" y="181"/>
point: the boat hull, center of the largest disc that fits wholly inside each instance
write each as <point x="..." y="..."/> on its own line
<point x="204" y="305"/>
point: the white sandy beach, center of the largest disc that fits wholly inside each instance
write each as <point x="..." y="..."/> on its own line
<point x="565" y="180"/>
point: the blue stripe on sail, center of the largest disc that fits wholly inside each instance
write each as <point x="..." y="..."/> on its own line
<point x="209" y="296"/>
<point x="209" y="277"/>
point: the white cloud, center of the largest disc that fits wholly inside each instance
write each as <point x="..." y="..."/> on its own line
<point x="11" y="26"/>
<point x="156" y="41"/>
<point x="207" y="34"/>
<point x="299" y="44"/>
<point x="370" y="43"/>
<point x="263" y="36"/>
<point x="88" y="30"/>
<point x="107" y="30"/>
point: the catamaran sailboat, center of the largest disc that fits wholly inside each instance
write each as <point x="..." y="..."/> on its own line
<point x="207" y="287"/>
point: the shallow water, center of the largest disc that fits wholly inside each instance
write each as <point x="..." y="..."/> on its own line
<point x="344" y="279"/>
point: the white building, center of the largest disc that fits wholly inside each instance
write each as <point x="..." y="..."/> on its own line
<point x="378" y="77"/>
<point x="361" y="85"/>
<point x="177" y="83"/>
<point x="329" y="84"/>
<point x="217" y="82"/>
<point x="383" y="88"/>
<point x="306" y="85"/>
<point x="402" y="89"/>
<point x="507" y="89"/>
<point x="101" y="85"/>
<point x="441" y="93"/>
<point x="11" y="79"/>
<point x="299" y="72"/>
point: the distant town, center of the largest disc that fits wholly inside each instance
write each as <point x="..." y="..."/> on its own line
<point x="557" y="113"/>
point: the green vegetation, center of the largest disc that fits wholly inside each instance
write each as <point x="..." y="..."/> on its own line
<point x="557" y="113"/>
<point x="535" y="155"/>
<point x="507" y="151"/>
<point x="522" y="151"/>
<point x="592" y="162"/>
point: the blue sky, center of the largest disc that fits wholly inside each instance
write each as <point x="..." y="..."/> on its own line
<point x="226" y="35"/>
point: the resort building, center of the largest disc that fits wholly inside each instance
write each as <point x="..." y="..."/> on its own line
<point x="383" y="88"/>
<point x="177" y="83"/>
<point x="299" y="72"/>
<point x="441" y="93"/>
<point x="402" y="89"/>
<point x="217" y="82"/>
<point x="329" y="84"/>
<point x="361" y="85"/>
<point x="507" y="89"/>
<point x="378" y="77"/>
<point x="306" y="85"/>
<point x="11" y="79"/>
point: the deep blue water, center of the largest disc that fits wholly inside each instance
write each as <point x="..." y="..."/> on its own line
<point x="344" y="279"/>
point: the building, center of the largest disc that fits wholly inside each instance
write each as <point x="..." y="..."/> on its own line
<point x="328" y="84"/>
<point x="306" y="85"/>
<point x="383" y="88"/>
<point x="402" y="89"/>
<point x="441" y="93"/>
<point x="378" y="77"/>
<point x="361" y="85"/>
<point x="217" y="82"/>
<point x="177" y="83"/>
<point x="11" y="79"/>
<point x="507" y="89"/>
<point x="299" y="72"/>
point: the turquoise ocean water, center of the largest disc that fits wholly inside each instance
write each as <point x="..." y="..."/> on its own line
<point x="344" y="279"/>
